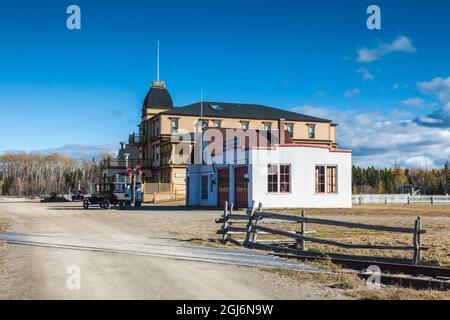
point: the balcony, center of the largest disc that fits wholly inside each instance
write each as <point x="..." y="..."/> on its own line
<point x="136" y="139"/>
<point x="114" y="163"/>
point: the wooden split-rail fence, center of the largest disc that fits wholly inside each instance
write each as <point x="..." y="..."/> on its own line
<point x="254" y="222"/>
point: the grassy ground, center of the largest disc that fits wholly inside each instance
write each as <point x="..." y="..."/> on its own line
<point x="435" y="219"/>
<point x="356" y="288"/>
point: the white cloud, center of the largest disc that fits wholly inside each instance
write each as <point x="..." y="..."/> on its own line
<point x="400" y="44"/>
<point x="366" y="74"/>
<point x="439" y="87"/>
<point x="414" y="102"/>
<point x="420" y="162"/>
<point x="352" y="93"/>
<point x="381" y="140"/>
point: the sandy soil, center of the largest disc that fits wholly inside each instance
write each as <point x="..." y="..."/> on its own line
<point x="33" y="272"/>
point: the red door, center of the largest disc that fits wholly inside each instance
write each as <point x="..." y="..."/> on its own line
<point x="240" y="187"/>
<point x="224" y="186"/>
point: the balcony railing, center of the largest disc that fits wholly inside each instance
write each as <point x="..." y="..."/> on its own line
<point x="114" y="163"/>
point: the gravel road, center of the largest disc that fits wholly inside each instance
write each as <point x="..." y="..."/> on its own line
<point x="47" y="248"/>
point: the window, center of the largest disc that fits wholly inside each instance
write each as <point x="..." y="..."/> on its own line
<point x="272" y="178"/>
<point x="285" y="178"/>
<point x="217" y="123"/>
<point x="155" y="126"/>
<point x="245" y="125"/>
<point x="279" y="178"/>
<point x="174" y="125"/>
<point x="311" y="131"/>
<point x="267" y="126"/>
<point x="320" y="179"/>
<point x="204" y="187"/>
<point x="290" y="129"/>
<point x="331" y="179"/>
<point x="326" y="177"/>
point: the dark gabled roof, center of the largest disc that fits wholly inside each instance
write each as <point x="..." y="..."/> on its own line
<point x="240" y="111"/>
<point x="158" y="97"/>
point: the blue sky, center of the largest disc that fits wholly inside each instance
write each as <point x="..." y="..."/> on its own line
<point x="388" y="89"/>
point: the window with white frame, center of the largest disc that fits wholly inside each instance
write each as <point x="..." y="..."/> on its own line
<point x="326" y="179"/>
<point x="279" y="178"/>
<point x="174" y="125"/>
<point x="311" y="131"/>
<point x="290" y="129"/>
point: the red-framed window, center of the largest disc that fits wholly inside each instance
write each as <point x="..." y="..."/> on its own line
<point x="320" y="179"/>
<point x="278" y="178"/>
<point x="326" y="179"/>
<point x="331" y="179"/>
<point x="285" y="178"/>
<point x="272" y="178"/>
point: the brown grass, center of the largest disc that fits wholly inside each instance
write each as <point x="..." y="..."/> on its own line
<point x="353" y="287"/>
<point x="435" y="219"/>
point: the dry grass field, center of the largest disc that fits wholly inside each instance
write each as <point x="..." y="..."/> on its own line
<point x="435" y="220"/>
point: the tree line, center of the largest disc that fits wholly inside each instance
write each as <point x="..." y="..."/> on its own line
<point x="400" y="180"/>
<point x="37" y="175"/>
<point x="33" y="175"/>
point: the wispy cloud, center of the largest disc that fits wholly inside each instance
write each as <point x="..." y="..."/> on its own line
<point x="352" y="93"/>
<point x="400" y="44"/>
<point x="440" y="89"/>
<point x="417" y="103"/>
<point x="366" y="74"/>
<point x="383" y="139"/>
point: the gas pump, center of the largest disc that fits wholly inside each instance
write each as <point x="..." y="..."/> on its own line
<point x="138" y="186"/>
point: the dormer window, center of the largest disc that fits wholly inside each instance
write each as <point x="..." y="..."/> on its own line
<point x="311" y="131"/>
<point x="290" y="129"/>
<point x="174" y="125"/>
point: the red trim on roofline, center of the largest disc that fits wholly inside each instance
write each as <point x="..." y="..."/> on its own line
<point x="320" y="146"/>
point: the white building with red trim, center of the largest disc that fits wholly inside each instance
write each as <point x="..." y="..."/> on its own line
<point x="278" y="176"/>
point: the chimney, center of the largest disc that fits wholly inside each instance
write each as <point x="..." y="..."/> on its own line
<point x="281" y="130"/>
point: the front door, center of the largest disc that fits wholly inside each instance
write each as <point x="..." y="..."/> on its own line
<point x="224" y="186"/>
<point x="240" y="187"/>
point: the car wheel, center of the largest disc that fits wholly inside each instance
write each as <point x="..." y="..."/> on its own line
<point x="86" y="204"/>
<point x="122" y="205"/>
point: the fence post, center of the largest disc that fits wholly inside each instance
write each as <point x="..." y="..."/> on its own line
<point x="255" y="232"/>
<point x="360" y="200"/>
<point x="225" y="223"/>
<point x="432" y="200"/>
<point x="416" y="240"/>
<point x="301" y="243"/>
<point x="385" y="200"/>
<point x="249" y="225"/>
<point x="408" y="200"/>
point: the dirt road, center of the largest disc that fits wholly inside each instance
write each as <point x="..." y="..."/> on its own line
<point x="128" y="255"/>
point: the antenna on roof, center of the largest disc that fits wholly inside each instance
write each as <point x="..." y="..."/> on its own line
<point x="201" y="103"/>
<point x="158" y="62"/>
